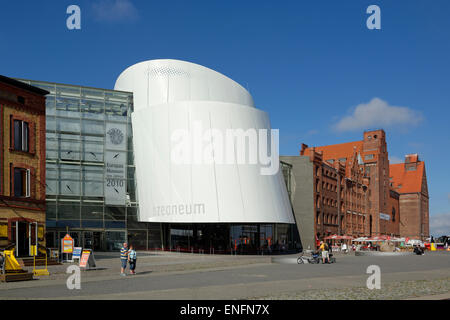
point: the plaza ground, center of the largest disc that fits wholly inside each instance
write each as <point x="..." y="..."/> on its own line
<point x="163" y="275"/>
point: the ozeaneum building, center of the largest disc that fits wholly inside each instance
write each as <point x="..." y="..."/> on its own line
<point x="156" y="162"/>
<point x="198" y="193"/>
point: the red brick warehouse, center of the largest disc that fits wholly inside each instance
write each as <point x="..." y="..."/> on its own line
<point x="22" y="166"/>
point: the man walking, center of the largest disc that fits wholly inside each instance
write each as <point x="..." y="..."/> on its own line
<point x="124" y="258"/>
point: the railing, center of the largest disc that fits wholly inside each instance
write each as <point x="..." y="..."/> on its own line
<point x="40" y="272"/>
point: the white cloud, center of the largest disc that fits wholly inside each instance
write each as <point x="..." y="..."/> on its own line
<point x="115" y="10"/>
<point x="378" y="114"/>
<point x="440" y="224"/>
<point x="394" y="160"/>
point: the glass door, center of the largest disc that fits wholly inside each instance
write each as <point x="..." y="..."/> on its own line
<point x="98" y="241"/>
<point x="88" y="240"/>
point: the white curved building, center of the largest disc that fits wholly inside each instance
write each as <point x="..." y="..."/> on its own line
<point x="176" y="98"/>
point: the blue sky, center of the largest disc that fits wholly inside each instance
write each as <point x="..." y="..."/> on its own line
<point x="309" y="64"/>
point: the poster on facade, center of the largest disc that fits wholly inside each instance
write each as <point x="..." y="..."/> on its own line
<point x="115" y="178"/>
<point x="116" y="136"/>
<point x="115" y="163"/>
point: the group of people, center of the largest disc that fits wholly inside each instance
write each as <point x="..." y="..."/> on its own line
<point x="127" y="256"/>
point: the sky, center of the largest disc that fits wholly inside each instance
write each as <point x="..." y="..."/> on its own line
<point x="314" y="66"/>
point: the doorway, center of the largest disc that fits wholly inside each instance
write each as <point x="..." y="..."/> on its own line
<point x="98" y="241"/>
<point x="93" y="240"/>
<point x="23" y="245"/>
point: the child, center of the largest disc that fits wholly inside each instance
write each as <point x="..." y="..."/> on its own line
<point x="132" y="259"/>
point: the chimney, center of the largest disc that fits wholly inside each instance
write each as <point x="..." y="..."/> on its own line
<point x="411" y="161"/>
<point x="304" y="147"/>
<point x="411" y="158"/>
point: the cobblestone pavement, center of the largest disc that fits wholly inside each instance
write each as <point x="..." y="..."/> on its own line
<point x="174" y="276"/>
<point x="393" y="291"/>
<point x="158" y="262"/>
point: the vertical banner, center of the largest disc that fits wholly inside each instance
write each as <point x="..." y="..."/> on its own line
<point x="115" y="163"/>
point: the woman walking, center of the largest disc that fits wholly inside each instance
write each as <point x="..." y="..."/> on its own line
<point x="132" y="259"/>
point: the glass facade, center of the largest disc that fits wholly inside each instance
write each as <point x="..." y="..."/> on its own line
<point x="231" y="238"/>
<point x="90" y="178"/>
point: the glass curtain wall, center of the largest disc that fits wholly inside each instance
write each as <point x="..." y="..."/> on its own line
<point x="87" y="131"/>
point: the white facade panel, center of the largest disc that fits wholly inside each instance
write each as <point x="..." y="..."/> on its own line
<point x="175" y="96"/>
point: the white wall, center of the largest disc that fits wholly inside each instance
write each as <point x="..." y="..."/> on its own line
<point x="171" y="95"/>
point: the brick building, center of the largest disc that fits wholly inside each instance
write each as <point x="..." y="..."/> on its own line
<point x="409" y="180"/>
<point x="329" y="197"/>
<point x="348" y="189"/>
<point x="22" y="165"/>
<point x="366" y="163"/>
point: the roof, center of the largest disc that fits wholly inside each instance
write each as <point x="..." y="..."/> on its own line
<point x="23" y="86"/>
<point x="410" y="181"/>
<point x="337" y="151"/>
<point x="163" y="81"/>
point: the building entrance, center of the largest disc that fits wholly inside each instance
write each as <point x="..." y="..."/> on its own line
<point x="93" y="240"/>
<point x="23" y="235"/>
<point x="23" y="246"/>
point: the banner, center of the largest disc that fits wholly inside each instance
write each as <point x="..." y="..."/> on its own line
<point x="115" y="164"/>
<point x="115" y="178"/>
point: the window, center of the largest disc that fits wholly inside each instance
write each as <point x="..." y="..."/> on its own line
<point x="21" y="135"/>
<point x="342" y="159"/>
<point x="330" y="161"/>
<point x="393" y="214"/>
<point x="22" y="182"/>
<point x="368" y="157"/>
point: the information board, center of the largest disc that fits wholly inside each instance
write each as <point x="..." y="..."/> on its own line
<point x="77" y="253"/>
<point x="84" y="258"/>
<point x="87" y="259"/>
<point x="67" y="244"/>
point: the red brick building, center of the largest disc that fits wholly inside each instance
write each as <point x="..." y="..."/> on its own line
<point x="22" y="165"/>
<point x="340" y="192"/>
<point x="409" y="180"/>
<point x="367" y="203"/>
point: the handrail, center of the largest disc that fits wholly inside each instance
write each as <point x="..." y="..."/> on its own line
<point x="44" y="270"/>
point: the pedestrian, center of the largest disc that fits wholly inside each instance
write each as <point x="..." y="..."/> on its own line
<point x="124" y="258"/>
<point x="323" y="248"/>
<point x="132" y="259"/>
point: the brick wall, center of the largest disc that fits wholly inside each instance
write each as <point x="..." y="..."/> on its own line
<point x="34" y="160"/>
<point x="20" y="104"/>
<point x="375" y="144"/>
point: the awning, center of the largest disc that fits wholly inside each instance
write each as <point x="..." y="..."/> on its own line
<point x="338" y="237"/>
